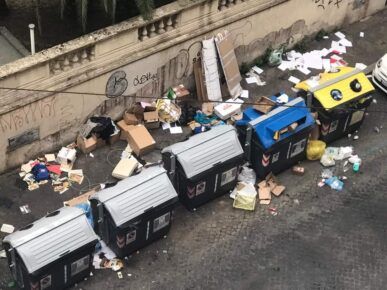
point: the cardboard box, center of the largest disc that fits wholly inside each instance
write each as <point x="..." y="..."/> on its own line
<point x="130" y="118"/>
<point x="124" y="168"/>
<point x="140" y="140"/>
<point x="151" y="120"/>
<point x="100" y="142"/>
<point x="124" y="129"/>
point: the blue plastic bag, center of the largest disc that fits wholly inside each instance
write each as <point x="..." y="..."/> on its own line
<point x="335" y="183"/>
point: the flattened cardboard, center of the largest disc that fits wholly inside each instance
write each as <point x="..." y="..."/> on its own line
<point x="140" y="140"/>
<point x="278" y="190"/>
<point x="264" y="105"/>
<point x="81" y="198"/>
<point x="199" y="80"/>
<point x="264" y="193"/>
<point x="124" y="129"/>
<point x="229" y="63"/>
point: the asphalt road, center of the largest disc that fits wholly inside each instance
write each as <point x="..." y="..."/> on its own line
<point x="320" y="239"/>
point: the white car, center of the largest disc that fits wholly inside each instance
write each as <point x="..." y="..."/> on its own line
<point x="379" y="75"/>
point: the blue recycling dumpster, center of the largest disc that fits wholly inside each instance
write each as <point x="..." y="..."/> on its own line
<point x="277" y="140"/>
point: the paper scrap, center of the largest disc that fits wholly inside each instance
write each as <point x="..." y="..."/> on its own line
<point x="245" y="94"/>
<point x="340" y="35"/>
<point x="361" y="34"/>
<point x="304" y="70"/>
<point x="293" y="80"/>
<point x="257" y="69"/>
<point x="176" y="130"/>
<point x="283" y="99"/>
<point x="345" y="42"/>
<point x="361" y="66"/>
<point x="326" y="37"/>
<point x="25" y="209"/>
<point x="50" y="157"/>
<point x="166" y="126"/>
<point x="251" y="80"/>
<point x="6" y="228"/>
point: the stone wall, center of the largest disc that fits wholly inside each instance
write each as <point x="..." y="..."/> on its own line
<point x="141" y="59"/>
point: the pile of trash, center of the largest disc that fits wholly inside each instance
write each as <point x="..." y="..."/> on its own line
<point x="55" y="168"/>
<point x="246" y="190"/>
<point x="330" y="158"/>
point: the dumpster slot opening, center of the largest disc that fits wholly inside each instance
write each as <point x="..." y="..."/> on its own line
<point x="278" y="129"/>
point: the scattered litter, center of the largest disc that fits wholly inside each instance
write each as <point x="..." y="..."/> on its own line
<point x="247" y="175"/>
<point x="251" y="80"/>
<point x="282" y="99"/>
<point x="326" y="173"/>
<point x="296" y="201"/>
<point x="361" y="66"/>
<point x="304" y="70"/>
<point x="125" y="168"/>
<point x="374" y="101"/>
<point x="6" y="228"/>
<point x="245" y="197"/>
<point x="245" y="94"/>
<point x="356" y="167"/>
<point x="3" y="254"/>
<point x="119" y="274"/>
<point x="321" y="183"/>
<point x="257" y="69"/>
<point x="176" y="130"/>
<point x="315" y="149"/>
<point x="230" y="107"/>
<point x="76" y="176"/>
<point x="293" y="80"/>
<point x="345" y="42"/>
<point x="356" y="137"/>
<point x="335" y="183"/>
<point x="298" y="170"/>
<point x="376" y="129"/>
<point x="361" y="34"/>
<point x="264" y="105"/>
<point x="273" y="211"/>
<point x="354" y="159"/>
<point x="165" y="252"/>
<point x="129" y="275"/>
<point x="25" y="209"/>
<point x="326" y="37"/>
<point x="50" y="157"/>
<point x="91" y="155"/>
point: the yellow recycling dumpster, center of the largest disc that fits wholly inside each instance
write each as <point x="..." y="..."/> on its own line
<point x="340" y="98"/>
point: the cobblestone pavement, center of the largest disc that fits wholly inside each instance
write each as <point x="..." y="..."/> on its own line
<point x="320" y="239"/>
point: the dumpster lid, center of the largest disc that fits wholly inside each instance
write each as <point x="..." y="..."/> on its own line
<point x="279" y="119"/>
<point x="134" y="195"/>
<point x="201" y="152"/>
<point x="51" y="237"/>
<point x="332" y="83"/>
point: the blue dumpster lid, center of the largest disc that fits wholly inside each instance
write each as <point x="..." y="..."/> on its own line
<point x="135" y="195"/>
<point x="201" y="152"/>
<point x="49" y="238"/>
<point x="266" y="126"/>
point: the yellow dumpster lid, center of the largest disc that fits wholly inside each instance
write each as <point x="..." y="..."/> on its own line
<point x="334" y="88"/>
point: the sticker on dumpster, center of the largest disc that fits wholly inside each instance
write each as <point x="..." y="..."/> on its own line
<point x="131" y="237"/>
<point x="228" y="176"/>
<point x="356" y="117"/>
<point x="45" y="282"/>
<point x="191" y="191"/>
<point x="275" y="157"/>
<point x="298" y="148"/>
<point x="265" y="160"/>
<point x="120" y="241"/>
<point x="200" y="188"/>
<point x="161" y="222"/>
<point x="333" y="126"/>
<point x="80" y="265"/>
<point x="324" y="129"/>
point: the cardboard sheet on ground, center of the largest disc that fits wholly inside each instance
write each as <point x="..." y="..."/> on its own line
<point x="210" y="68"/>
<point x="229" y="63"/>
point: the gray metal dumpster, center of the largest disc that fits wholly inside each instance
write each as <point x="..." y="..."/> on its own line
<point x="54" y="252"/>
<point x="135" y="212"/>
<point x="205" y="166"/>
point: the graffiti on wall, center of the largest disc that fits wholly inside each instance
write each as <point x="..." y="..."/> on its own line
<point x="327" y="3"/>
<point x="143" y="79"/>
<point x="27" y="115"/>
<point x="116" y="85"/>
